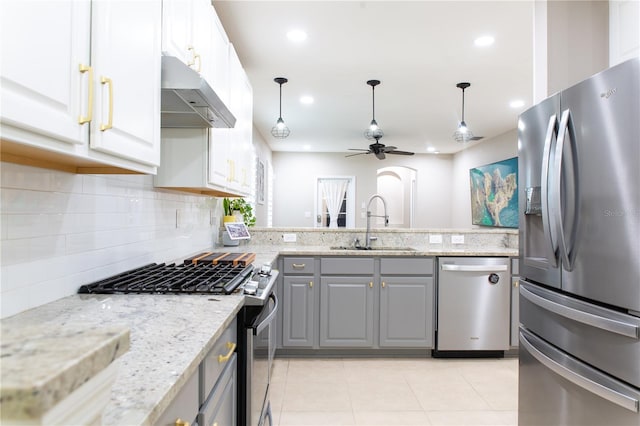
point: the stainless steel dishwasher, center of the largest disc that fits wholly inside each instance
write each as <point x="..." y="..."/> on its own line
<point x="473" y="306"/>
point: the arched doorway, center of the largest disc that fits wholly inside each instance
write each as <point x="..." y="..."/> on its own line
<point x="398" y="187"/>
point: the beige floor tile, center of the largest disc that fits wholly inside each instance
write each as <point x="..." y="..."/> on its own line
<point x="391" y="418"/>
<point x="368" y="395"/>
<point x="473" y="418"/>
<point x="449" y="398"/>
<point x="317" y="418"/>
<point x="279" y="370"/>
<point x="316" y="396"/>
<point x="324" y="370"/>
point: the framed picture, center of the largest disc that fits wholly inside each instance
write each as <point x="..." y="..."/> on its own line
<point x="260" y="177"/>
<point x="494" y="194"/>
<point x="237" y="230"/>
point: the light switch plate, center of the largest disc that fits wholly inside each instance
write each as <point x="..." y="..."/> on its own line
<point x="457" y="239"/>
<point x="435" y="239"/>
<point x="289" y="238"/>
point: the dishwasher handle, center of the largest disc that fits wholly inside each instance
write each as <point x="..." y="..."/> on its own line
<point x="474" y="268"/>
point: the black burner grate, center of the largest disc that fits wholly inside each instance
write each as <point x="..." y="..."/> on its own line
<point x="167" y="279"/>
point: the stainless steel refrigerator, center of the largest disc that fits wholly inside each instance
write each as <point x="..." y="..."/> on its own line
<point x="579" y="173"/>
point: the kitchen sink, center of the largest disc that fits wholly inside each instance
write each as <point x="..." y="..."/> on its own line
<point x="377" y="248"/>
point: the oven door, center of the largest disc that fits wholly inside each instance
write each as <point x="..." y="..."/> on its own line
<point x="260" y="337"/>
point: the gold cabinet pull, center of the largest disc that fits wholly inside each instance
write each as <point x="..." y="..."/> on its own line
<point x="103" y="81"/>
<point x="310" y="284"/>
<point x="370" y="284"/>
<point x="224" y="358"/>
<point x="298" y="265"/>
<point x="180" y="422"/>
<point x="383" y="284"/>
<point x="89" y="116"/>
<point x="194" y="56"/>
<point x="516" y="283"/>
<point x="228" y="170"/>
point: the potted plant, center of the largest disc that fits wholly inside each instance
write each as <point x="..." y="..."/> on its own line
<point x="241" y="206"/>
<point x="228" y="212"/>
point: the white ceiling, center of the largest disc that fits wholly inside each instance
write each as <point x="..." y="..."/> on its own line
<point x="418" y="49"/>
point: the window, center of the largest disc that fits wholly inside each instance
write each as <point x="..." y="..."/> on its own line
<point x="337" y="194"/>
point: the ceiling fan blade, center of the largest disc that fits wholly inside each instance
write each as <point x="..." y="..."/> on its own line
<point x="357" y="149"/>
<point x="380" y="155"/>
<point x="389" y="148"/>
<point x="358" y="153"/>
<point x="400" y="152"/>
<point x="477" y="138"/>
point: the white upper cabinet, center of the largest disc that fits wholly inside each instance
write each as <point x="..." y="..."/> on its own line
<point x="125" y="46"/>
<point x="45" y="70"/>
<point x="624" y="30"/>
<point x="80" y="84"/>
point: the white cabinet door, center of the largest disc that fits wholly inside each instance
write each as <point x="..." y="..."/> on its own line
<point x="125" y="46"/>
<point x="176" y="28"/>
<point x="42" y="88"/>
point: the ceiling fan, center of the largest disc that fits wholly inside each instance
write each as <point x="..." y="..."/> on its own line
<point x="462" y="133"/>
<point x="374" y="133"/>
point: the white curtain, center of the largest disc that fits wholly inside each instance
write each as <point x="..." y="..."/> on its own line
<point x="333" y="191"/>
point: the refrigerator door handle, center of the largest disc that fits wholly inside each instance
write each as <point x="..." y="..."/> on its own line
<point x="591" y="319"/>
<point x="566" y="127"/>
<point x="590" y="384"/>
<point x="549" y="230"/>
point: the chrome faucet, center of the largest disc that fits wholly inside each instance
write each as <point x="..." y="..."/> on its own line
<point x="368" y="237"/>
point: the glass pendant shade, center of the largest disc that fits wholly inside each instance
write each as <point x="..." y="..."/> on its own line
<point x="462" y="134"/>
<point x="280" y="130"/>
<point x="373" y="132"/>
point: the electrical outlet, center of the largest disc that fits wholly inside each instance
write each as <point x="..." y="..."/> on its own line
<point x="457" y="239"/>
<point x="435" y="239"/>
<point x="289" y="238"/>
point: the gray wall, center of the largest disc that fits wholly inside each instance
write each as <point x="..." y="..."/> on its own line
<point x="443" y="196"/>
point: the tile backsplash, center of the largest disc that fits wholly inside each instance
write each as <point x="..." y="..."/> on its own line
<point x="60" y="230"/>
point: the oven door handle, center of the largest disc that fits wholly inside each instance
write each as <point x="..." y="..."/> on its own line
<point x="265" y="323"/>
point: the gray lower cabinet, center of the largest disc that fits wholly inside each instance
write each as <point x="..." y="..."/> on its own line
<point x="406" y="311"/>
<point x="298" y="299"/>
<point x="346" y="312"/>
<point x="220" y="407"/>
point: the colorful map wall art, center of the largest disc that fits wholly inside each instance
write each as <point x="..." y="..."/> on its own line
<point x="494" y="194"/>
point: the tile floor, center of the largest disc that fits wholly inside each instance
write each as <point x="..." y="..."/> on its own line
<point x="395" y="391"/>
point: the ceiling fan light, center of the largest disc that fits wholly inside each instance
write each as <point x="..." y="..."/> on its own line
<point x="373" y="134"/>
<point x="374" y="125"/>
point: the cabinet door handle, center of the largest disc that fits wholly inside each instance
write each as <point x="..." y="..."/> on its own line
<point x="370" y="284"/>
<point x="298" y="265"/>
<point x="103" y="81"/>
<point x="516" y="283"/>
<point x="180" y="422"/>
<point x="224" y="358"/>
<point x="89" y="116"/>
<point x="310" y="284"/>
<point x="383" y="284"/>
<point x="229" y="173"/>
<point x="194" y="56"/>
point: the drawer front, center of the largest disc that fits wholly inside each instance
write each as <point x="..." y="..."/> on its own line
<point x="298" y="265"/>
<point x="346" y="265"/>
<point x="184" y="406"/>
<point x="406" y="266"/>
<point x="217" y="359"/>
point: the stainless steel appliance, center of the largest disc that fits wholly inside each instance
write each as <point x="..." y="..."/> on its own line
<point x="256" y="330"/>
<point x="473" y="306"/>
<point x="579" y="170"/>
<point x="220" y="274"/>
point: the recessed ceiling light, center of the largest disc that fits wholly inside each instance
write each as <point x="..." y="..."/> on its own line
<point x="306" y="147"/>
<point x="516" y="104"/>
<point x="431" y="149"/>
<point x="484" y="41"/>
<point x="307" y="100"/>
<point x="297" y="36"/>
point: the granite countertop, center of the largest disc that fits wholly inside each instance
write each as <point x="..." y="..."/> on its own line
<point x="37" y="369"/>
<point x="169" y="336"/>
<point x="49" y="351"/>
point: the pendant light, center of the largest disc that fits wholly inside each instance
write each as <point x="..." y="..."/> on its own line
<point x="280" y="130"/>
<point x="373" y="133"/>
<point x="463" y="134"/>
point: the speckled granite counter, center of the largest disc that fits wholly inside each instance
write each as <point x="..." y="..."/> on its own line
<point x="169" y="335"/>
<point x="37" y="369"/>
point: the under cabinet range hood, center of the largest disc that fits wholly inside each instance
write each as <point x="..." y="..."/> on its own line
<point x="187" y="99"/>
